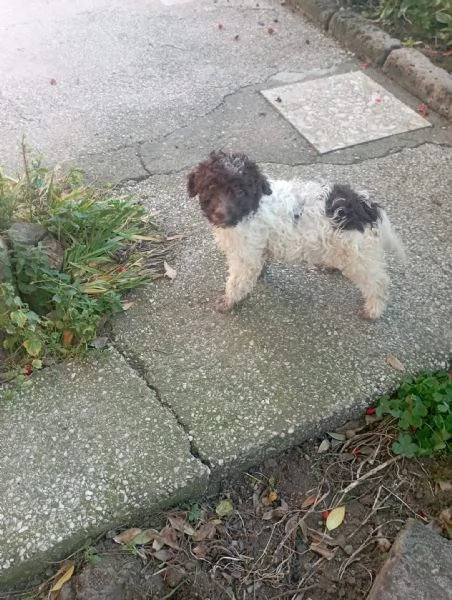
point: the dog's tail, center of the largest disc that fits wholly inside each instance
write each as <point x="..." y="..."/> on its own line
<point x="391" y="241"/>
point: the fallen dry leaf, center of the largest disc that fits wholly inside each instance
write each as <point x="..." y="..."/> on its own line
<point x="169" y="271"/>
<point x="273" y="496"/>
<point x="335" y="518"/>
<point x="127" y="305"/>
<point x="167" y="537"/>
<point x="205" y="532"/>
<point x="200" y="551"/>
<point x="126" y="536"/>
<point x="323" y="551"/>
<point x="68" y="336"/>
<point x="64" y="578"/>
<point x="174" y="575"/>
<point x="181" y="525"/>
<point x="310" y="500"/>
<point x="163" y="555"/>
<point x="324" y="447"/>
<point x="394" y="363"/>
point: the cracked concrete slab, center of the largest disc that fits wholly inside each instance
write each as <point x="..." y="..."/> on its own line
<point x="86" y="447"/>
<point x="295" y="357"/>
<point x="125" y="72"/>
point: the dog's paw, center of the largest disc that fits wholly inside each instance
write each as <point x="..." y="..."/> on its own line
<point x="222" y="304"/>
<point x="371" y="313"/>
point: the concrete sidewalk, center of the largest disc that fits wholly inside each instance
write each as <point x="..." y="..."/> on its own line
<point x="184" y="396"/>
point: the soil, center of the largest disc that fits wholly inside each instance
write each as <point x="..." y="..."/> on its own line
<point x="266" y="535"/>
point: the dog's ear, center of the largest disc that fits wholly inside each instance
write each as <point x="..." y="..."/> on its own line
<point x="191" y="184"/>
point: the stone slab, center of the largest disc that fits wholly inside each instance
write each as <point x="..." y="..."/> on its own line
<point x="417" y="74"/>
<point x="343" y="110"/>
<point x="85" y="447"/>
<point x="295" y="357"/>
<point x="367" y="41"/>
<point x="419" y="567"/>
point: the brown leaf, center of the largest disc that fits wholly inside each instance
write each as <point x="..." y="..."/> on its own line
<point x="167" y="537"/>
<point x="270" y="31"/>
<point x="68" y="336"/>
<point x="324" y="447"/>
<point x="394" y="363"/>
<point x="169" y="271"/>
<point x="323" y="551"/>
<point x="144" y="537"/>
<point x="273" y="496"/>
<point x="53" y="81"/>
<point x="64" y="578"/>
<point x="205" y="532"/>
<point x="163" y="555"/>
<point x="181" y="525"/>
<point x="174" y="575"/>
<point x="126" y="536"/>
<point x="127" y="305"/>
<point x="310" y="500"/>
<point x="200" y="551"/>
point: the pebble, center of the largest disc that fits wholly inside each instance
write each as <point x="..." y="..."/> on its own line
<point x="348" y="549"/>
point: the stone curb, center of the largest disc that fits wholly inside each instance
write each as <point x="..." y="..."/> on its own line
<point x="409" y="67"/>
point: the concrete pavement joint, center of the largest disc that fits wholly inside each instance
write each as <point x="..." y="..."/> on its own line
<point x="318" y="160"/>
<point x="138" y="366"/>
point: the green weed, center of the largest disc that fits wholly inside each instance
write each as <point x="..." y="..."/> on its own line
<point x="111" y="246"/>
<point x="423" y="409"/>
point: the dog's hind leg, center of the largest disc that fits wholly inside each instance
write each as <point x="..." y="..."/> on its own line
<point x="243" y="276"/>
<point x="372" y="280"/>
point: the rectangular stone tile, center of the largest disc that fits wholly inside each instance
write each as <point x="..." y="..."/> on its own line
<point x="343" y="110"/>
<point x="86" y="446"/>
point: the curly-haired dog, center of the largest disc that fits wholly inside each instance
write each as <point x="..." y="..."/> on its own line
<point x="256" y="219"/>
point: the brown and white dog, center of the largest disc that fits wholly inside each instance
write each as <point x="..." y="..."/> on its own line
<point x="256" y="219"/>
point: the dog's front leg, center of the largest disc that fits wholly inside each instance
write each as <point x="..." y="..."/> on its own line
<point x="243" y="275"/>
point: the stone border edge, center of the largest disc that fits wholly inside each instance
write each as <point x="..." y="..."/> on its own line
<point x="409" y="67"/>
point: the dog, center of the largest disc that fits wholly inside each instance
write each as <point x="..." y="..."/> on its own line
<point x="256" y="219"/>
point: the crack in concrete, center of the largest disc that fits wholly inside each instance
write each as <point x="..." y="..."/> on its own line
<point x="137" y="365"/>
<point x="317" y="161"/>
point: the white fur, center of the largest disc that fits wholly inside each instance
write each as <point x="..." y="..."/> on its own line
<point x="274" y="232"/>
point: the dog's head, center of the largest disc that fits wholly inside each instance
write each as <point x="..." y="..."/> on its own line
<point x="229" y="187"/>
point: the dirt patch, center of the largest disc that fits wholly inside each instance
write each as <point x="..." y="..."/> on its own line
<point x="266" y="536"/>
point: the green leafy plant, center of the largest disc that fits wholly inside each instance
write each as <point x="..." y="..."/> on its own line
<point x="110" y="245"/>
<point x="430" y="20"/>
<point x="423" y="409"/>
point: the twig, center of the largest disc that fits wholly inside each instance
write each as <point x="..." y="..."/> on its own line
<point x="370" y="473"/>
<point x="405" y="504"/>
